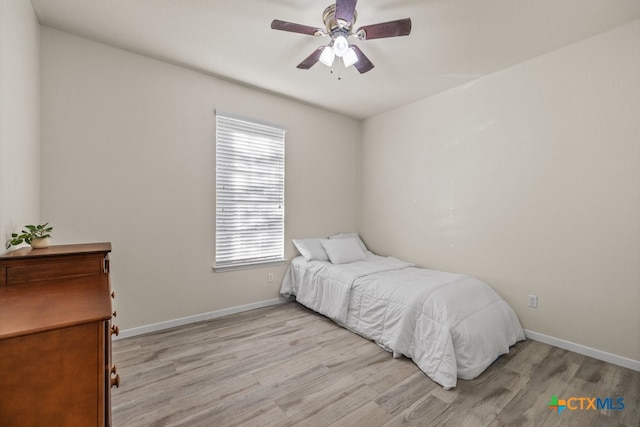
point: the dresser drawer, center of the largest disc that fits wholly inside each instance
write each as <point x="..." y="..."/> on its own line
<point x="3" y="276"/>
<point x="55" y="269"/>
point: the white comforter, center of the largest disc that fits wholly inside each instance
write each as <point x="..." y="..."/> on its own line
<point x="451" y="325"/>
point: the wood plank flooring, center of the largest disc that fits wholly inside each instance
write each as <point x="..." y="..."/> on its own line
<point x="287" y="366"/>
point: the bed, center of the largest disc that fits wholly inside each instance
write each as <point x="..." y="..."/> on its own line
<point x="451" y="325"/>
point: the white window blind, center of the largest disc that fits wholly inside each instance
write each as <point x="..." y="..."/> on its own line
<point x="249" y="191"/>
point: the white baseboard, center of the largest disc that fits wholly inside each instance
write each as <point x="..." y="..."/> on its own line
<point x="584" y="350"/>
<point x="155" y="327"/>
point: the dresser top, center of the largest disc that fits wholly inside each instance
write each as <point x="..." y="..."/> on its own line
<point x="36" y="307"/>
<point x="28" y="252"/>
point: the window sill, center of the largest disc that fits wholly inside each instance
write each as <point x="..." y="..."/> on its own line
<point x="235" y="267"/>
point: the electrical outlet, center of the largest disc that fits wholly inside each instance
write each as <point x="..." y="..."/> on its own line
<point x="270" y="277"/>
<point x="532" y="301"/>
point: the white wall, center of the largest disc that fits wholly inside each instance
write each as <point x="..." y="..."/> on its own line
<point x="19" y="118"/>
<point x="529" y="179"/>
<point x="128" y="156"/>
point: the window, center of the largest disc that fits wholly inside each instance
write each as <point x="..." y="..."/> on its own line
<point x="249" y="192"/>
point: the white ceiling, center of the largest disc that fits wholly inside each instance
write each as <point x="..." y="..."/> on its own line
<point x="452" y="41"/>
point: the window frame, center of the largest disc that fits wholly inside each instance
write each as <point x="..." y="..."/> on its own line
<point x="251" y="233"/>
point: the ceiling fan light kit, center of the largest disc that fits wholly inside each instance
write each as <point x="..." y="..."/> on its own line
<point x="339" y="19"/>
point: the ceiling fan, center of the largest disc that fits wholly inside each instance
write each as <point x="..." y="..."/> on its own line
<point x="338" y="20"/>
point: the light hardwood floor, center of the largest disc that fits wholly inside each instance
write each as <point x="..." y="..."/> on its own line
<point x="285" y="365"/>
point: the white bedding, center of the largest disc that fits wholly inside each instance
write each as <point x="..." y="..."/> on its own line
<point x="451" y="325"/>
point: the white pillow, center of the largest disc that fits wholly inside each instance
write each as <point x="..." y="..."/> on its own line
<point x="351" y="236"/>
<point x="311" y="249"/>
<point x="343" y="251"/>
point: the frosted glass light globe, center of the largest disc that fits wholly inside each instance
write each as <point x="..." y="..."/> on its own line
<point x="340" y="46"/>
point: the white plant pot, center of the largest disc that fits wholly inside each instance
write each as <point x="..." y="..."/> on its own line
<point x="40" y="242"/>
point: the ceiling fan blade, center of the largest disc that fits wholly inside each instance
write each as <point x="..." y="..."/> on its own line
<point x="400" y="27"/>
<point x="311" y="60"/>
<point x="345" y="10"/>
<point x="295" y="28"/>
<point x="363" y="65"/>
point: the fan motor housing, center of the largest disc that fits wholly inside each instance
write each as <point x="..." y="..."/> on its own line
<point x="331" y="23"/>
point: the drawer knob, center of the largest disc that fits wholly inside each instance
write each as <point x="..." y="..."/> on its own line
<point x="115" y="330"/>
<point x="114" y="369"/>
<point x="115" y="313"/>
<point x="113" y="294"/>
<point x="115" y="381"/>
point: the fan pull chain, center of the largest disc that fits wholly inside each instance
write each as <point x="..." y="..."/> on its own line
<point x="339" y="73"/>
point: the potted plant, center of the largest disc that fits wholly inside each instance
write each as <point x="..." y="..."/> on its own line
<point x="38" y="236"/>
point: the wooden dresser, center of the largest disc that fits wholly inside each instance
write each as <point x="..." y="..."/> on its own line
<point x="55" y="336"/>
